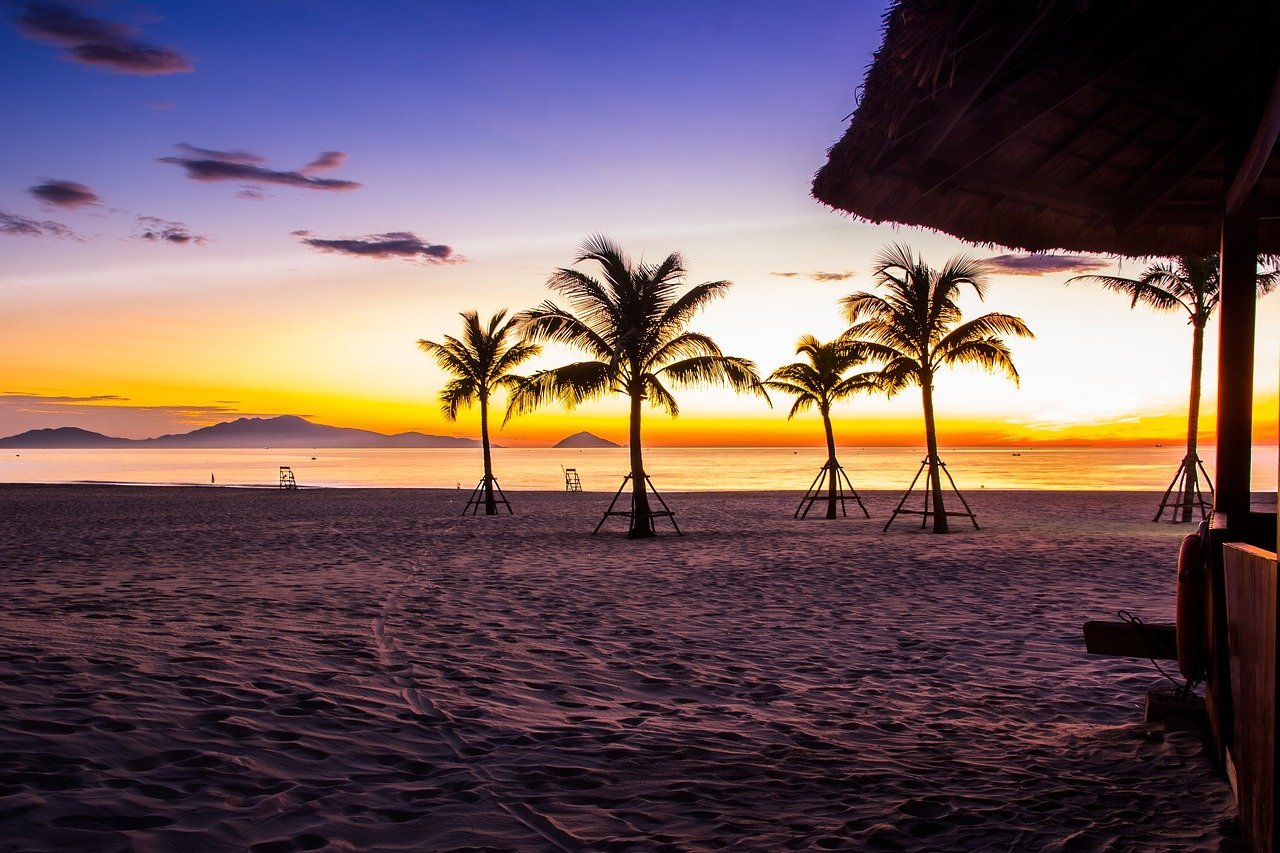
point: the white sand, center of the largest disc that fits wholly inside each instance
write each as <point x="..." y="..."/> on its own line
<point x="225" y="669"/>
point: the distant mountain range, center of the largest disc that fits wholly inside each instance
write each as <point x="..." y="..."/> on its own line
<point x="284" y="431"/>
<point x="585" y="439"/>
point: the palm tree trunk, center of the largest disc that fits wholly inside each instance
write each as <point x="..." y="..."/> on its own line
<point x="931" y="444"/>
<point x="641" y="517"/>
<point x="832" y="465"/>
<point x="490" y="505"/>
<point x="1193" y="418"/>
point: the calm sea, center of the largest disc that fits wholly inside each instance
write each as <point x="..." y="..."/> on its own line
<point x="601" y="470"/>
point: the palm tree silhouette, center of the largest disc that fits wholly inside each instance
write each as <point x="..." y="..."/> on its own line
<point x="916" y="330"/>
<point x="1191" y="284"/>
<point x="819" y="382"/>
<point x="481" y="363"/>
<point x="633" y="325"/>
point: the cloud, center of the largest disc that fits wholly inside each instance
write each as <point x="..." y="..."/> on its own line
<point x="253" y="194"/>
<point x="19" y="226"/>
<point x="326" y="161"/>
<point x="209" y="166"/>
<point x="161" y="105"/>
<point x="96" y="42"/>
<point x="111" y="414"/>
<point x="1041" y="264"/>
<point x="64" y="193"/>
<point x="19" y="396"/>
<point x="157" y="230"/>
<point x="394" y="244"/>
<point x="818" y="276"/>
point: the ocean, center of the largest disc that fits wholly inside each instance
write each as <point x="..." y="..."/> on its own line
<point x="601" y="470"/>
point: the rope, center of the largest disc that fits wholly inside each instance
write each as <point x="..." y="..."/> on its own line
<point x="1148" y="642"/>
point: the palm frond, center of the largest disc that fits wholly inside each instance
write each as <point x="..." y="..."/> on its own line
<point x="987" y="326"/>
<point x="658" y="395"/>
<point x="801" y="404"/>
<point x="570" y="385"/>
<point x="457" y="394"/>
<point x="512" y="357"/>
<point x="990" y="354"/>
<point x="738" y="373"/>
<point x="1139" y="292"/>
<point x="550" y="322"/>
<point x="684" y="345"/>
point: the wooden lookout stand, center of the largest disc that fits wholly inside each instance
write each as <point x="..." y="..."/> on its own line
<point x="1137" y="128"/>
<point x="821" y="488"/>
<point x="287" y="480"/>
<point x="571" y="481"/>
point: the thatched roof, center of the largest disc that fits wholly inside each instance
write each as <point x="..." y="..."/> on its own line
<point x="1064" y="124"/>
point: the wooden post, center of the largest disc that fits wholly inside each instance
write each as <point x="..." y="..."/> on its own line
<point x="1238" y="287"/>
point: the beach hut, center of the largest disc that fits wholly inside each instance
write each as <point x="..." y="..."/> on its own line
<point x="1134" y="127"/>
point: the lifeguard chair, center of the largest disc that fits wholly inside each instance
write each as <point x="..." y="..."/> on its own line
<point x="571" y="481"/>
<point x="287" y="480"/>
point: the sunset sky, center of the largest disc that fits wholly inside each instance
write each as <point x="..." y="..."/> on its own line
<point x="224" y="209"/>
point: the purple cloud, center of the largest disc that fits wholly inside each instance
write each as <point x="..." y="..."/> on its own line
<point x="394" y="244"/>
<point x="19" y="226"/>
<point x="95" y="42"/>
<point x="1041" y="264"/>
<point x="208" y="166"/>
<point x="157" y="230"/>
<point x="64" y="194"/>
<point x="326" y="161"/>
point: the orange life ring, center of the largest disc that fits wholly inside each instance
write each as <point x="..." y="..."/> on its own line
<point x="1191" y="616"/>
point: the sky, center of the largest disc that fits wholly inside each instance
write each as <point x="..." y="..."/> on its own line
<point x="219" y="210"/>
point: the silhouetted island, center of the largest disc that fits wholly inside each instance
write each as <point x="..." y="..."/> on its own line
<point x="282" y="431"/>
<point x="585" y="439"/>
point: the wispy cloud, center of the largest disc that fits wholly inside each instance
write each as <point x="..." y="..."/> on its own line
<point x="96" y="42"/>
<point x="817" y="276"/>
<point x="20" y="396"/>
<point x="157" y="230"/>
<point x="111" y="414"/>
<point x="1042" y="264"/>
<point x="208" y="165"/>
<point x="67" y="194"/>
<point x="404" y="245"/>
<point x="13" y="225"/>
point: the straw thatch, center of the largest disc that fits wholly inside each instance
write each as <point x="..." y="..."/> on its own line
<point x="1060" y="124"/>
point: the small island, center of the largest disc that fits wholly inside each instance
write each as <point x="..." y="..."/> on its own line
<point x="585" y="439"/>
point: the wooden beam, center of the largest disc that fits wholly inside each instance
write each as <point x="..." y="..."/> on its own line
<point x="1260" y="147"/>
<point x="1162" y="176"/>
<point x="1127" y="640"/>
<point x="1017" y="188"/>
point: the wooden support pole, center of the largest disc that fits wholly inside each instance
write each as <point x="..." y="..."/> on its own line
<point x="1238" y="287"/>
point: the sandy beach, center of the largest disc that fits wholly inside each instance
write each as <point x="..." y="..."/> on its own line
<point x="225" y="669"/>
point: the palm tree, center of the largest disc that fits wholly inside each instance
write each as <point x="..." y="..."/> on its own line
<point x="1191" y="284"/>
<point x="633" y="326"/>
<point x="818" y="383"/>
<point x="916" y="330"/>
<point x="481" y="363"/>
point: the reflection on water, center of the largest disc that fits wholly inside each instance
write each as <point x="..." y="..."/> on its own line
<point x="601" y="470"/>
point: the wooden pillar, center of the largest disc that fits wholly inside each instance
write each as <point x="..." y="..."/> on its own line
<point x="1238" y="287"/>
